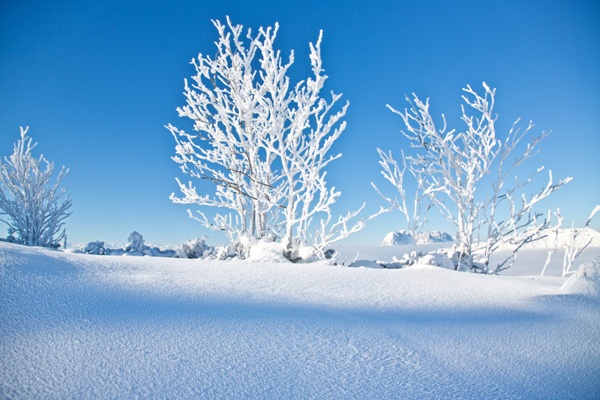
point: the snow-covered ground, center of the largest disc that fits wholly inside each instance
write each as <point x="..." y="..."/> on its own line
<point x="81" y="326"/>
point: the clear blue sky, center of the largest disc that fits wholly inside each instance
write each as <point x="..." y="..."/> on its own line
<point x="96" y="81"/>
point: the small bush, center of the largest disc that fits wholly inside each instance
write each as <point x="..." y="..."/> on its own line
<point x="194" y="248"/>
<point x="136" y="242"/>
<point x="96" y="247"/>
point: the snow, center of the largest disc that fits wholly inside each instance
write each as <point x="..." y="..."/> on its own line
<point x="586" y="280"/>
<point x="88" y="326"/>
<point x="402" y="237"/>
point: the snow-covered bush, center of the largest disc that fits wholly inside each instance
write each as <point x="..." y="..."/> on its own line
<point x="136" y="247"/>
<point x="409" y="259"/>
<point x="157" y="252"/>
<point x="262" y="251"/>
<point x="226" y="251"/>
<point x="586" y="280"/>
<point x="136" y="242"/>
<point x="36" y="209"/>
<point x="96" y="247"/>
<point x="451" y="167"/>
<point x="260" y="143"/>
<point x="194" y="248"/>
<point x="440" y="258"/>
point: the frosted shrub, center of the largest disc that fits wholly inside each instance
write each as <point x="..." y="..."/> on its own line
<point x="136" y="242"/>
<point x="585" y="280"/>
<point x="452" y="170"/>
<point x="96" y="247"/>
<point x="194" y="248"/>
<point x="226" y="252"/>
<point x="439" y="258"/>
<point x="36" y="209"/>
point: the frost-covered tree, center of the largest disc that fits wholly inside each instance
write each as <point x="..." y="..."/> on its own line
<point x="260" y="144"/>
<point x="451" y="169"/>
<point x="35" y="209"/>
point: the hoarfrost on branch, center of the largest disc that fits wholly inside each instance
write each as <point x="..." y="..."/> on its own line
<point x="450" y="168"/>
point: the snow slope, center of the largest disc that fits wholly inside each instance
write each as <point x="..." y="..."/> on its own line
<point x="79" y="326"/>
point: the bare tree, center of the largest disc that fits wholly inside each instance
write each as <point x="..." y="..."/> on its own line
<point x="36" y="209"/>
<point x="450" y="168"/>
<point x="262" y="143"/>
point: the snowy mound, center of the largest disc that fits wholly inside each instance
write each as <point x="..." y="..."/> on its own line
<point x="586" y="280"/>
<point x="403" y="237"/>
<point x="266" y="252"/>
<point x="89" y="326"/>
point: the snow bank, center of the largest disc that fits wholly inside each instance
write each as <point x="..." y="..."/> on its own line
<point x="84" y="326"/>
<point x="586" y="280"/>
<point x="261" y="251"/>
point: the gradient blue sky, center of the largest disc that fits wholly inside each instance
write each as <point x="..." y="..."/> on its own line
<point x="96" y="81"/>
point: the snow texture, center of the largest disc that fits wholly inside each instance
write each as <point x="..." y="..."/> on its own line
<point x="87" y="326"/>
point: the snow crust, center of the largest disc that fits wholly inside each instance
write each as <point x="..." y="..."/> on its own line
<point x="87" y="326"/>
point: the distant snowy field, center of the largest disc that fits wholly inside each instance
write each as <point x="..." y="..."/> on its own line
<point x="80" y="326"/>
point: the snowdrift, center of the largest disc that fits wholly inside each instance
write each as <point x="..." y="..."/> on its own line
<point x="81" y="326"/>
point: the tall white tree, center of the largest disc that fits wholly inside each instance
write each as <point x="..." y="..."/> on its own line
<point x="260" y="142"/>
<point x="35" y="209"/>
<point x="451" y="168"/>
